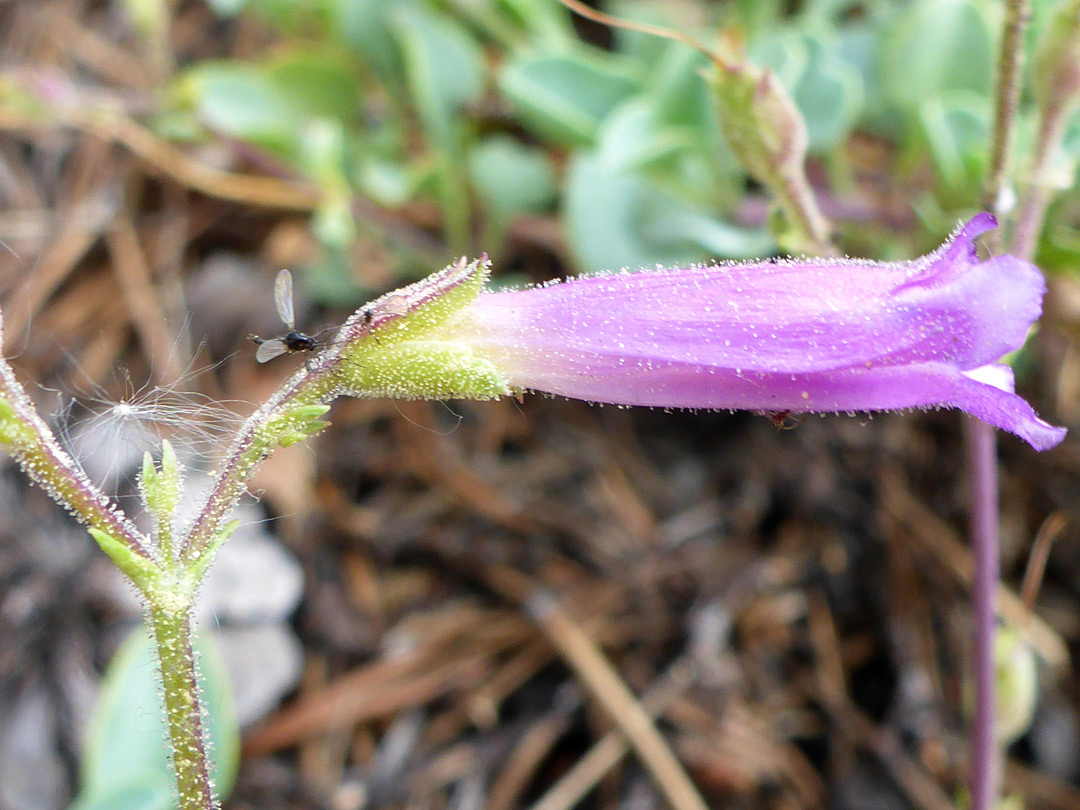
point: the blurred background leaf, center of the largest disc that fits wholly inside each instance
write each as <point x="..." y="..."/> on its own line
<point x="471" y="114"/>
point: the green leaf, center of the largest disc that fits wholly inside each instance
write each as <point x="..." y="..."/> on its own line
<point x="677" y="88"/>
<point x="717" y="238"/>
<point x="271" y="104"/>
<point x="241" y="101"/>
<point x="756" y="16"/>
<point x="197" y="570"/>
<point x="689" y="161"/>
<point x="565" y="98"/>
<point x="320" y="85"/>
<point x="149" y="795"/>
<point x="511" y="178"/>
<point x="443" y="67"/>
<point x="633" y="138"/>
<point x="364" y="26"/>
<point x="645" y="49"/>
<point x="161" y="489"/>
<point x="956" y="129"/>
<point x="139" y="569"/>
<point x="685" y="124"/>
<point x="306" y="413"/>
<point x="617" y="219"/>
<point x="937" y="46"/>
<point x="330" y="281"/>
<point x="388" y="182"/>
<point x="443" y="64"/>
<point x="1059" y="250"/>
<point x="124" y="757"/>
<point x="548" y="23"/>
<point x="1016" y="675"/>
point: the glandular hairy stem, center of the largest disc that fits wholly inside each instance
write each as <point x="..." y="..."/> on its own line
<point x="1006" y="102"/>
<point x="183" y="711"/>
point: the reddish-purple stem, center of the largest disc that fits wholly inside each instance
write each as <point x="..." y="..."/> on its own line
<point x="983" y="765"/>
<point x="984" y="758"/>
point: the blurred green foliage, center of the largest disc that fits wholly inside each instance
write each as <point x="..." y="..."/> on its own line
<point x="493" y="109"/>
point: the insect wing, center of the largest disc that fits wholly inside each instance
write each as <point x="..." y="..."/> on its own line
<point x="269" y="349"/>
<point x="283" y="298"/>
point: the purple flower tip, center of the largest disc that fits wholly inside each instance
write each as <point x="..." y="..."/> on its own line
<point x="795" y="335"/>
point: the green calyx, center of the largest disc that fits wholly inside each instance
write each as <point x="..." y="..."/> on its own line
<point x="411" y="356"/>
<point x="426" y="369"/>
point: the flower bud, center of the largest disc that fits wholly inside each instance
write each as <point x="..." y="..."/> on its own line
<point x="766" y="131"/>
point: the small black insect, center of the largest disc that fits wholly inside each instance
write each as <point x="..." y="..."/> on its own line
<point x="293" y="340"/>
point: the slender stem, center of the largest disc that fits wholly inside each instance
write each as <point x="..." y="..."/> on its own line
<point x="307" y="386"/>
<point x="40" y="456"/>
<point x="1055" y="78"/>
<point x="1006" y="103"/>
<point x="981" y="444"/>
<point x="1029" y="219"/>
<point x="176" y="659"/>
<point x="985" y="758"/>
<point x="797" y="198"/>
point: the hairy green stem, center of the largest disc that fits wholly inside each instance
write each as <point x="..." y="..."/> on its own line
<point x="25" y="435"/>
<point x="169" y="583"/>
<point x="176" y="659"/>
<point x="250" y="448"/>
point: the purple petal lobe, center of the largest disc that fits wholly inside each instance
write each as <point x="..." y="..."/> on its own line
<point x="961" y="245"/>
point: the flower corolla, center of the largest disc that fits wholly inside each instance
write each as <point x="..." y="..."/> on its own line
<point x="799" y="335"/>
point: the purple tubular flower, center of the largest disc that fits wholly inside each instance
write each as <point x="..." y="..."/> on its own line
<point x="801" y="335"/>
